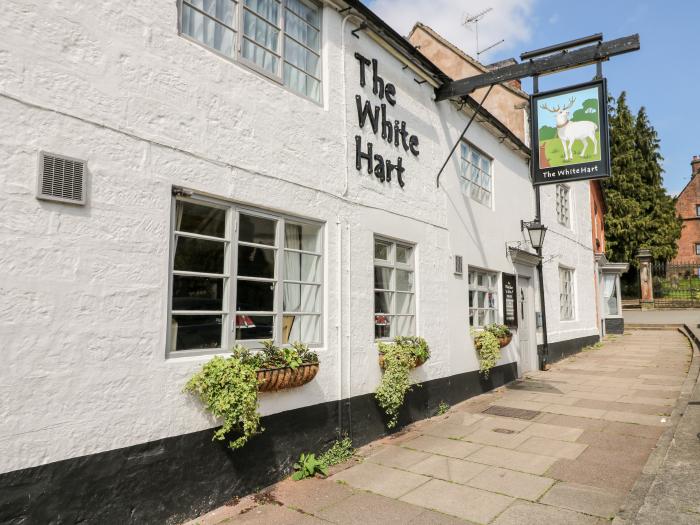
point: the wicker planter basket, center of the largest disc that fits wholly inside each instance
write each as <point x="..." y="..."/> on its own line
<point x="271" y="379"/>
<point x="504" y="341"/>
<point x="382" y="364"/>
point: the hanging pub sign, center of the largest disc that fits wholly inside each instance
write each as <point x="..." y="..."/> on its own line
<point x="570" y="133"/>
<point x="510" y="303"/>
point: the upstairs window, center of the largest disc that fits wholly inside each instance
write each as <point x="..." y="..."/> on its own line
<point x="563" y="209"/>
<point x="697" y="248"/>
<point x="394" y="289"/>
<point x="476" y="174"/>
<point x="697" y="210"/>
<point x="278" y="38"/>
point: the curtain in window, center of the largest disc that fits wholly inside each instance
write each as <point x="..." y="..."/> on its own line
<point x="610" y="294"/>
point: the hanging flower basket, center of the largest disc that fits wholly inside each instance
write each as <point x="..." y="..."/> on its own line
<point x="273" y="379"/>
<point x="419" y="361"/>
<point x="505" y="340"/>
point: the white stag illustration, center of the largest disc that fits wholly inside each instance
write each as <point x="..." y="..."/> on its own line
<point x="569" y="131"/>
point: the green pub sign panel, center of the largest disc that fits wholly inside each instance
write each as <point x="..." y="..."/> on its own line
<point x="570" y="133"/>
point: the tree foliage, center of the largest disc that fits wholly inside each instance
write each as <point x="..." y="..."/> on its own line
<point x="640" y="213"/>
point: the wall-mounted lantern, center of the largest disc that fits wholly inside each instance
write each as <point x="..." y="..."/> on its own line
<point x="536" y="231"/>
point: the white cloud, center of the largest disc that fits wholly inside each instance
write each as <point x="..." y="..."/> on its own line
<point x="509" y="19"/>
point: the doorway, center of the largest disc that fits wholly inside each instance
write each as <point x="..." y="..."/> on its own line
<point x="526" y="332"/>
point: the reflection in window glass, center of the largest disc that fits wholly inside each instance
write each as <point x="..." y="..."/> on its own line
<point x="483" y="298"/>
<point x="394" y="294"/>
<point x="566" y="293"/>
<point x="476" y="174"/>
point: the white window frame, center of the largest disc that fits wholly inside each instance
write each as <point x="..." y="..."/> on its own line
<point x="239" y="9"/>
<point x="394" y="265"/>
<point x="697" y="248"/>
<point x="473" y="286"/>
<point x="473" y="186"/>
<point x="697" y="210"/>
<point x="563" y="204"/>
<point x="567" y="291"/>
<point x="230" y="276"/>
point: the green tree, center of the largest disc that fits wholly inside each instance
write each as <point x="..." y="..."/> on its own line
<point x="588" y="111"/>
<point x="640" y="212"/>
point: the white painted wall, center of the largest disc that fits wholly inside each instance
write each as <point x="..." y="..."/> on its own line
<point x="83" y="302"/>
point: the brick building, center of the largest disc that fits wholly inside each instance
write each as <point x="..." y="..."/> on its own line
<point x="688" y="207"/>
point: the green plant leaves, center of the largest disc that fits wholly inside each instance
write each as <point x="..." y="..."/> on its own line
<point x="399" y="357"/>
<point x="228" y="388"/>
<point x="308" y="466"/>
<point x="489" y="349"/>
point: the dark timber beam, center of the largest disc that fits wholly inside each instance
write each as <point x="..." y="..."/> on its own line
<point x="548" y="64"/>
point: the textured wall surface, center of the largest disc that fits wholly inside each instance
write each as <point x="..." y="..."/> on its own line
<point x="83" y="290"/>
<point x="569" y="247"/>
<point x="686" y="204"/>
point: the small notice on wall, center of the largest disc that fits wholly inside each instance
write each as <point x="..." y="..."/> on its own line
<point x="510" y="304"/>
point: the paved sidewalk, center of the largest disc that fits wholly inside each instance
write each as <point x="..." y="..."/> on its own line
<point x="567" y="448"/>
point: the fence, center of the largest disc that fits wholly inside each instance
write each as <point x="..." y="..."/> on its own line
<point x="676" y="285"/>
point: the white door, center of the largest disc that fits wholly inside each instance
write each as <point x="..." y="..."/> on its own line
<point x="528" y="343"/>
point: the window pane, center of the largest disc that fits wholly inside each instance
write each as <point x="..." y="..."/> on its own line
<point x="207" y="31"/>
<point x="204" y="220"/>
<point x="257" y="230"/>
<point x="305" y="12"/>
<point x="302" y="298"/>
<point x="404" y="325"/>
<point x="194" y="332"/>
<point x="381" y="251"/>
<point x="260" y="57"/>
<point x="268" y="9"/>
<point x="255" y="296"/>
<point x="301" y="57"/>
<point x="405" y="303"/>
<point x="197" y="293"/>
<point x="404" y="281"/>
<point x="219" y="9"/>
<point x="382" y="278"/>
<point x="382" y="326"/>
<point x="403" y="254"/>
<point x="302" y="237"/>
<point x="382" y="302"/>
<point x="260" y="32"/>
<point x="254" y="327"/>
<point x="302" y="267"/>
<point x="301" y="31"/>
<point x="304" y="328"/>
<point x="256" y="262"/>
<point x="198" y="255"/>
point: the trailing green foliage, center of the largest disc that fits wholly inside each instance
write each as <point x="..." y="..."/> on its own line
<point x="340" y="451"/>
<point x="308" y="466"/>
<point x="640" y="214"/>
<point x="499" y="330"/>
<point x="489" y="349"/>
<point x="273" y="356"/>
<point x="228" y="388"/>
<point x="443" y="408"/>
<point x="399" y="357"/>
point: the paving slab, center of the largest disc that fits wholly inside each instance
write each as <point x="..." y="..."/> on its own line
<point x="448" y="469"/>
<point x="511" y="483"/>
<point x="449" y="430"/>
<point x="468" y="503"/>
<point x="364" y="508"/>
<point x="277" y="514"/>
<point x="569" y="410"/>
<point x="594" y="474"/>
<point x="639" y="419"/>
<point x="511" y="459"/>
<point x="445" y="447"/>
<point x="552" y="447"/>
<point x="398" y="457"/>
<point x="554" y="432"/>
<point x="522" y="513"/>
<point x="585" y="498"/>
<point x="498" y="437"/>
<point x="379" y="479"/>
<point x="309" y="495"/>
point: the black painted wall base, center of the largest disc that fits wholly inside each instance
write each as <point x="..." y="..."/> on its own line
<point x="615" y="325"/>
<point x="175" y="479"/>
<point x="562" y="349"/>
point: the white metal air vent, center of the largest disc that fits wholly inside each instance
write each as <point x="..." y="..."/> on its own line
<point x="61" y="178"/>
<point x="458" y="264"/>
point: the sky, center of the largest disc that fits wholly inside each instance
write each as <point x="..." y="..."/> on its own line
<point x="662" y="76"/>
